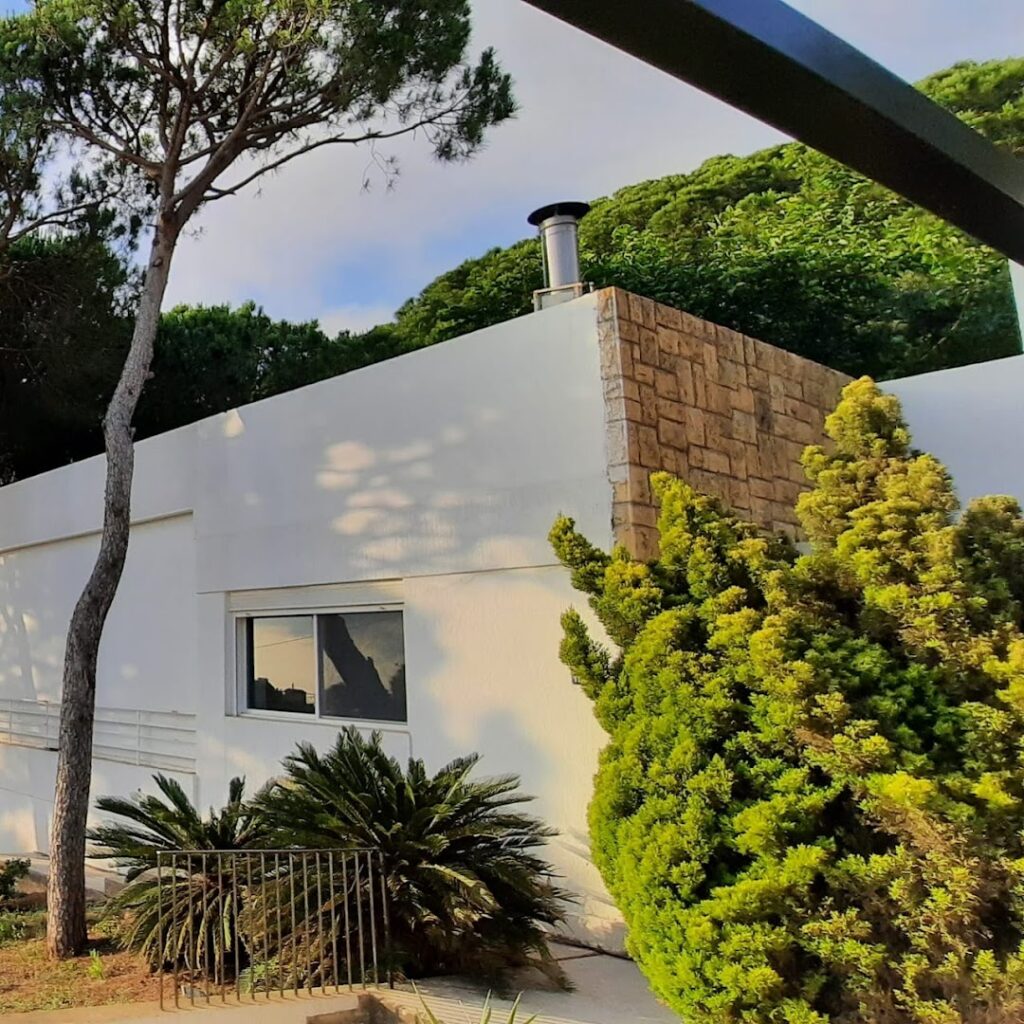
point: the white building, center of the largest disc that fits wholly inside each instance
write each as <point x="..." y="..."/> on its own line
<point x="373" y="549"/>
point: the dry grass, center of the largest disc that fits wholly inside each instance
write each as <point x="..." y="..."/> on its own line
<point x="29" y="980"/>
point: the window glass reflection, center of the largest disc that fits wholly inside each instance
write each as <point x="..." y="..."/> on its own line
<point x="282" y="664"/>
<point x="363" y="665"/>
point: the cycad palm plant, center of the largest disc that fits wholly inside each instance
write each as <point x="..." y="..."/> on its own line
<point x="188" y="910"/>
<point x="486" y="1011"/>
<point x="467" y="889"/>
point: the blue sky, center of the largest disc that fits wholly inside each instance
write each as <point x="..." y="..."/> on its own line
<point x="310" y="243"/>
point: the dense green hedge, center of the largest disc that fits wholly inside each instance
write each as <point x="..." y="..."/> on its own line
<point x="810" y="805"/>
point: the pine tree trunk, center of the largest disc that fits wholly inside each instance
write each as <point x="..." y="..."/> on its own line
<point x="66" y="927"/>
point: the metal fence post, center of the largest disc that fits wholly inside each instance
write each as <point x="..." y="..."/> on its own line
<point x="160" y="922"/>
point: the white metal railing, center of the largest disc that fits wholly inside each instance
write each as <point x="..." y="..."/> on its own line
<point x="155" y="739"/>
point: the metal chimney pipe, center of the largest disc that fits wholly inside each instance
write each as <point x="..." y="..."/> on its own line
<point x="558" y="224"/>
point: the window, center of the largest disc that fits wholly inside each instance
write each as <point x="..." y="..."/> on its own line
<point x="348" y="664"/>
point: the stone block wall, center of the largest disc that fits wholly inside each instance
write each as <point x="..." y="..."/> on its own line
<point x="728" y="413"/>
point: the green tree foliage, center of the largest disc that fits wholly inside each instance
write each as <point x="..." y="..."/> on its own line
<point x="467" y="889"/>
<point x="12" y="872"/>
<point x="65" y="325"/>
<point x="478" y="293"/>
<point x="64" y="321"/>
<point x="212" y="358"/>
<point x="786" y="245"/>
<point x="64" y="331"/>
<point x="62" y="287"/>
<point x="811" y="805"/>
<point x="42" y="186"/>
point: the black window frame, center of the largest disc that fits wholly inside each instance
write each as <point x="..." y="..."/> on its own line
<point x="245" y="661"/>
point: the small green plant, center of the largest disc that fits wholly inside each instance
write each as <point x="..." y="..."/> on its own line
<point x="96" y="970"/>
<point x="12" y="928"/>
<point x="266" y="975"/>
<point x="12" y="872"/>
<point x="486" y="1012"/>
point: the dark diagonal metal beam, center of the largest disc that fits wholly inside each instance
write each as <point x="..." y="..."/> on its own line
<point x="772" y="62"/>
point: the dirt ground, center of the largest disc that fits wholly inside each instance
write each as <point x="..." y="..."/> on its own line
<point x="29" y="980"/>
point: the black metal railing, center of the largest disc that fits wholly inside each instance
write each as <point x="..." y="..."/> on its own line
<point x="249" y="923"/>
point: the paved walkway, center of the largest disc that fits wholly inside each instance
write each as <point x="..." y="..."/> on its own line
<point x="607" y="990"/>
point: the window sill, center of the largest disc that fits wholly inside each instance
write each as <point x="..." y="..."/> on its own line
<point x="296" y="718"/>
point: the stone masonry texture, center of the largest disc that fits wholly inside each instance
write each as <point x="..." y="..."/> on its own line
<point x="729" y="414"/>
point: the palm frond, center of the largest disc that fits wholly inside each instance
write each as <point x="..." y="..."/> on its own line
<point x="466" y="886"/>
<point x="180" y="911"/>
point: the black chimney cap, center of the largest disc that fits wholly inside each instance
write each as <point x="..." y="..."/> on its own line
<point x="576" y="210"/>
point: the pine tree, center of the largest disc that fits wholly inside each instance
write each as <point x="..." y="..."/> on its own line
<point x="811" y="805"/>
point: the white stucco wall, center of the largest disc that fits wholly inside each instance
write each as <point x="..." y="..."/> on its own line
<point x="436" y="476"/>
<point x="972" y="418"/>
<point x="147" y="661"/>
<point x="1017" y="283"/>
<point x="26" y="793"/>
<point x="147" y="658"/>
<point x="486" y="682"/>
<point x="448" y="459"/>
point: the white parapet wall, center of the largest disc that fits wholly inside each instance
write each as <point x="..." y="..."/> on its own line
<point x="972" y="418"/>
<point x="427" y="484"/>
<point x="1017" y="283"/>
